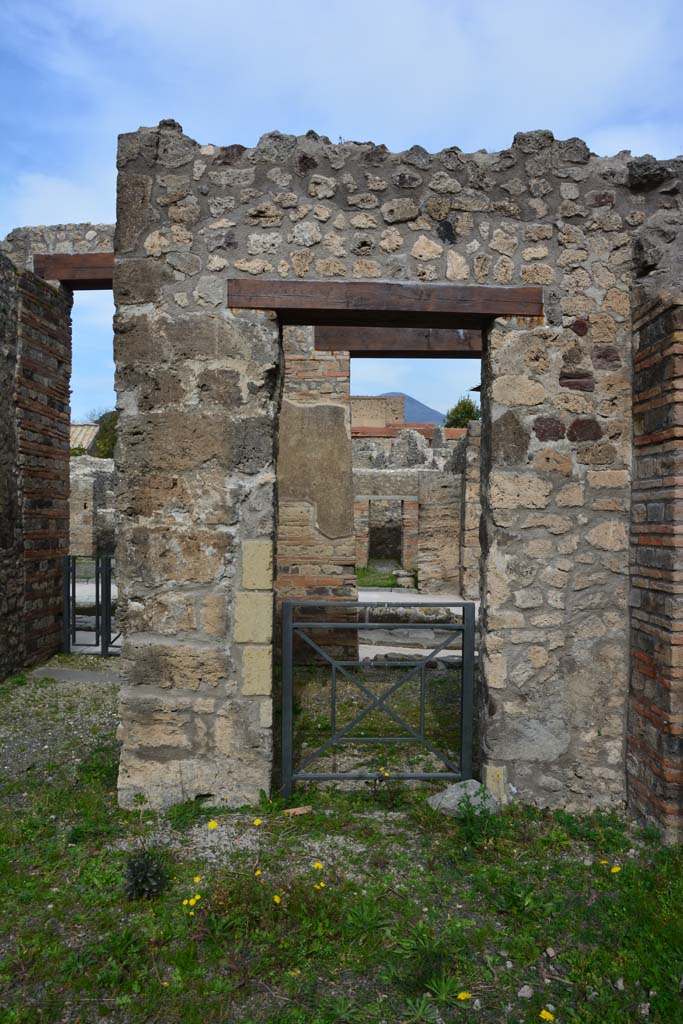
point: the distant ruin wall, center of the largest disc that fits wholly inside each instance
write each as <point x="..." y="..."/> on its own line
<point x="377" y="411"/>
<point x="22" y="244"/>
<point x="92" y="513"/>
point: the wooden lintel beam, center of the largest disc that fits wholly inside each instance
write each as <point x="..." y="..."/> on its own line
<point x="79" y="272"/>
<point x="401" y="343"/>
<point x="385" y="303"/>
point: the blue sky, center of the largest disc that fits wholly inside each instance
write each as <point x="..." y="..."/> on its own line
<point x="74" y="73"/>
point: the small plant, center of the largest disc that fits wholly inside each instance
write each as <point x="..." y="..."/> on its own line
<point x="477" y="824"/>
<point x="444" y="988"/>
<point x="421" y="1011"/>
<point x="146" y="876"/>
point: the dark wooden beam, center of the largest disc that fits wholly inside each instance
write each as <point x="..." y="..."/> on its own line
<point x="401" y="343"/>
<point x="385" y="303"/>
<point x="80" y="272"/>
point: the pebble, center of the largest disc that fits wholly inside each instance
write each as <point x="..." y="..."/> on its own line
<point x="525" y="992"/>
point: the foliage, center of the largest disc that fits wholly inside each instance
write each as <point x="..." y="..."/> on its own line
<point x="464" y="410"/>
<point x="383" y="915"/>
<point x="145" y="877"/>
<point x="105" y="441"/>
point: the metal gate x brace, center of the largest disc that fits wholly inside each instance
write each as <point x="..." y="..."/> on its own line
<point x="293" y="626"/>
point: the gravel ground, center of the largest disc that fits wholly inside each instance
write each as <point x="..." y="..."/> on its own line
<point x="44" y="722"/>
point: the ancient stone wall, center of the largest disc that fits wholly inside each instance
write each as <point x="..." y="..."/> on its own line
<point x="22" y="244"/>
<point x="92" y="514"/>
<point x="377" y="411"/>
<point x="557" y="417"/>
<point x="11" y="548"/>
<point x="655" y="716"/>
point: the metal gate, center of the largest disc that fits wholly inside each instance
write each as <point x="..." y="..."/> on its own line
<point x="75" y="634"/>
<point x="301" y="619"/>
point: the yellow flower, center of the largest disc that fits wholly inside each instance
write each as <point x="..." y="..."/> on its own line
<point x="381" y="769"/>
<point x="614" y="869"/>
<point x="321" y="884"/>
<point x="184" y="903"/>
<point x="257" y="821"/>
<point x="603" y="861"/>
<point x="277" y="899"/>
<point x="192" y="913"/>
<point x="546" y="1015"/>
<point x="257" y="872"/>
<point x="386" y="775"/>
<point x="318" y="865"/>
<point x="197" y="878"/>
<point x="192" y="902"/>
<point x="213" y="824"/>
<point x="197" y="896"/>
<point x="165" y="984"/>
<point x="462" y="996"/>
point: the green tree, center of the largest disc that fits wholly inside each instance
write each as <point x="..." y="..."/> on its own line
<point x="105" y="441"/>
<point x="464" y="410"/>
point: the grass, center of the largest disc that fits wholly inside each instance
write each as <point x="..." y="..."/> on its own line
<point x="371" y="576"/>
<point x="416" y="910"/>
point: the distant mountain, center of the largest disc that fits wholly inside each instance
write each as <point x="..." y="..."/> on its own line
<point x="416" y="412"/>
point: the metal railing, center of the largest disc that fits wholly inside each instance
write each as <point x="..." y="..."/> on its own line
<point x="75" y="634"/>
<point x="294" y="627"/>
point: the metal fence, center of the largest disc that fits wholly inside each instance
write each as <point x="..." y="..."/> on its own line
<point x="300" y="619"/>
<point x="94" y="632"/>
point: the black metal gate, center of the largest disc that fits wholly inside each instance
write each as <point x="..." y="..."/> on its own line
<point x="98" y="633"/>
<point x="300" y="619"/>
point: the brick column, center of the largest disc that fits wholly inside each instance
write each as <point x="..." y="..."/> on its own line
<point x="470" y="549"/>
<point x="409" y="534"/>
<point x="316" y="553"/>
<point x="655" y="714"/>
<point x="361" y="524"/>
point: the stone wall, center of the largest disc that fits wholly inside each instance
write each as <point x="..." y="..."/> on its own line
<point x="22" y="244"/>
<point x="655" y="717"/>
<point x="34" y="481"/>
<point x="377" y="410"/>
<point x="556" y="433"/>
<point x="92" y="514"/>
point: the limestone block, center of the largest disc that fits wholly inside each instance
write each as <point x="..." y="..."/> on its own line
<point x="257" y="671"/>
<point x="514" y="389"/>
<point x="257" y="565"/>
<point x="611" y="535"/>
<point x="518" y="490"/>
<point x="253" y="617"/>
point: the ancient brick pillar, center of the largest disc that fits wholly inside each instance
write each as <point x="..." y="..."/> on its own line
<point x="409" y="533"/>
<point x="655" y="713"/>
<point x="316" y="553"/>
<point x="361" y="524"/>
<point x="470" y="548"/>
